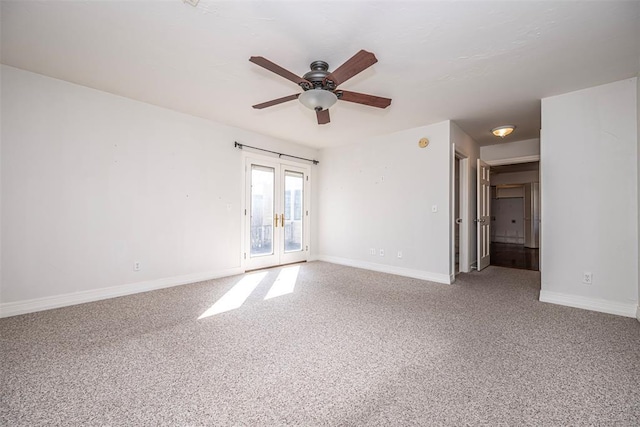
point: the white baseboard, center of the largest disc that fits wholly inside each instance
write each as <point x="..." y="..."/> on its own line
<point x="638" y="313"/>
<point x="57" y="301"/>
<point x="594" y="304"/>
<point x="399" y="271"/>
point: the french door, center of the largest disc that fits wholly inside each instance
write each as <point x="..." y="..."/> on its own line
<point x="484" y="215"/>
<point x="276" y="213"/>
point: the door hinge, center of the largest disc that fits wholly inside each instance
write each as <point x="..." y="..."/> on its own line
<point x="245" y="212"/>
<point x="245" y="255"/>
<point x="307" y="213"/>
<point x="307" y="178"/>
<point x="307" y="248"/>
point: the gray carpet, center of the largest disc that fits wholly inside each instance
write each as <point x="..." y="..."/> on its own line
<point x="348" y="347"/>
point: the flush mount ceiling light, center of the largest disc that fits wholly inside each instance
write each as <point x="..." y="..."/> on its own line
<point x="318" y="99"/>
<point x="503" y="131"/>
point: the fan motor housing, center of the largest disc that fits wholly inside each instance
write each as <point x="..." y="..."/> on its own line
<point x="318" y="76"/>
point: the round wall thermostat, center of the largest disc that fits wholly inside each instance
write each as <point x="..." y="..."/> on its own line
<point x="423" y="142"/>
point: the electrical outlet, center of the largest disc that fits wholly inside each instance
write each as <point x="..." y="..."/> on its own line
<point x="381" y="252"/>
<point x="587" y="278"/>
<point x="399" y="254"/>
<point x="136" y="266"/>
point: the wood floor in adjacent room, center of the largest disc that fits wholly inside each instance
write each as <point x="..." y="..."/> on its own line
<point x="322" y="344"/>
<point x="515" y="256"/>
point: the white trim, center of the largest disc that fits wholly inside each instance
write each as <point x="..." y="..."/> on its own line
<point x="39" y="304"/>
<point x="638" y="313"/>
<point x="513" y="160"/>
<point x="595" y="304"/>
<point x="399" y="271"/>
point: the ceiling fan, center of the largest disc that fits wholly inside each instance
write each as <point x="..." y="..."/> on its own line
<point x="320" y="86"/>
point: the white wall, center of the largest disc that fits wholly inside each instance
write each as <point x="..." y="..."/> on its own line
<point x="378" y="193"/>
<point x="505" y="211"/>
<point x="466" y="146"/>
<point x="524" y="149"/>
<point x="638" y="165"/>
<point x="92" y="182"/>
<point x="1" y="173"/>
<point x="589" y="203"/>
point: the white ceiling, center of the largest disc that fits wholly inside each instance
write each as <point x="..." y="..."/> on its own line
<point x="480" y="63"/>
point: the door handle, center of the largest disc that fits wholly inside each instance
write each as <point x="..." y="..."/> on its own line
<point x="458" y="220"/>
<point x="275" y="220"/>
<point x="281" y="220"/>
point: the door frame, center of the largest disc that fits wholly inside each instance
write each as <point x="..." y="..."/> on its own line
<point x="247" y="157"/>
<point x="464" y="236"/>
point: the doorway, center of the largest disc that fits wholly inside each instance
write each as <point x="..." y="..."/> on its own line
<point x="276" y="212"/>
<point x="515" y="216"/>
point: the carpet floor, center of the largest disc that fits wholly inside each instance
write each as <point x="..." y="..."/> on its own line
<point x="347" y="347"/>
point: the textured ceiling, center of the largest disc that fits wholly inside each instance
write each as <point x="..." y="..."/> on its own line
<point x="482" y="64"/>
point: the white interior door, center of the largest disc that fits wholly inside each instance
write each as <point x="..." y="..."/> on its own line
<point x="276" y="213"/>
<point x="483" y="217"/>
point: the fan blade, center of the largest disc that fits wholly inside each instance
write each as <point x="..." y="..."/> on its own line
<point x="276" y="101"/>
<point x="323" y="117"/>
<point x="357" y="63"/>
<point x="363" y="98"/>
<point x="275" y="68"/>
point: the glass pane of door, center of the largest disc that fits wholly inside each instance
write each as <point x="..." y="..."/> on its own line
<point x="262" y="210"/>
<point x="293" y="210"/>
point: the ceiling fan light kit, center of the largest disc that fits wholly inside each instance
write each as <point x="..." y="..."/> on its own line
<point x="502" y="131"/>
<point x="320" y="86"/>
<point x="318" y="99"/>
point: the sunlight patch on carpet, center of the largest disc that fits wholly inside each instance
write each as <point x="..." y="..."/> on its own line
<point x="235" y="296"/>
<point x="285" y="283"/>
